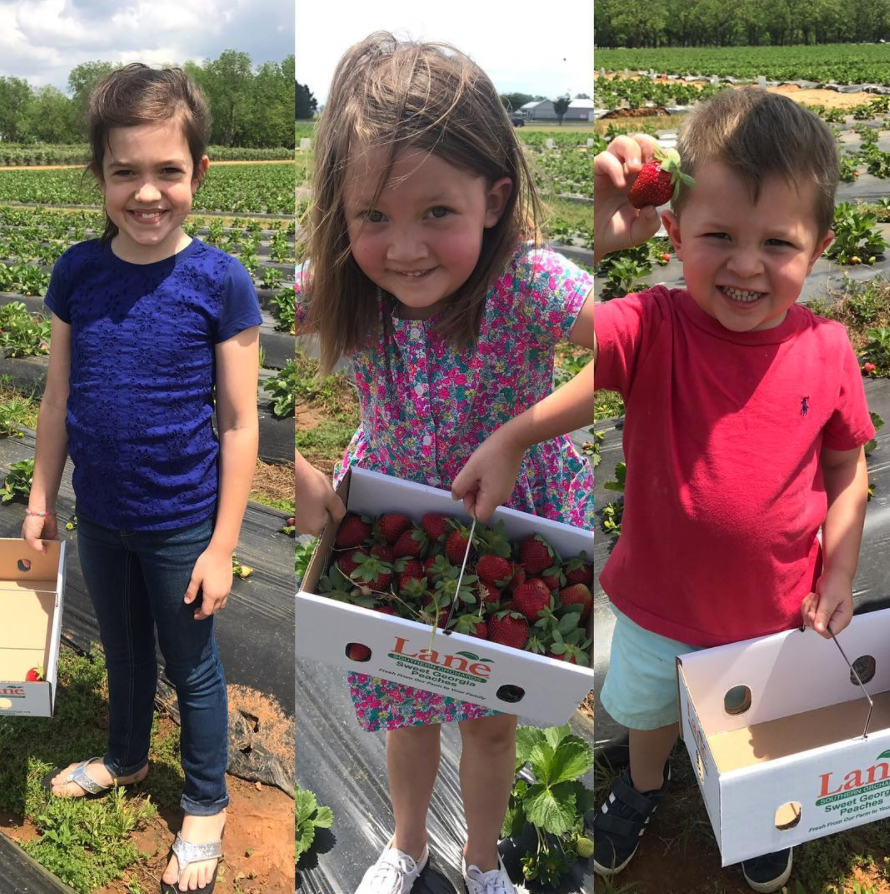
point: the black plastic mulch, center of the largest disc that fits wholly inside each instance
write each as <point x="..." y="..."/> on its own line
<point x="346" y="768"/>
<point x="871" y="587"/>
<point x="19" y="874"/>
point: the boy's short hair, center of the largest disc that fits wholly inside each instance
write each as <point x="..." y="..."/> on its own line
<point x="759" y="134"/>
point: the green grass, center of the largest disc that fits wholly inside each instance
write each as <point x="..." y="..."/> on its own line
<point x="281" y="505"/>
<point x="331" y="437"/>
<point x="85" y="843"/>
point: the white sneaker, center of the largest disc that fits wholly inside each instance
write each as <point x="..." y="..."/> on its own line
<point x="495" y="881"/>
<point x="394" y="872"/>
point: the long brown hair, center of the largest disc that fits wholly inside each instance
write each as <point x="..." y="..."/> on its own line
<point x="407" y="95"/>
<point x="137" y="94"/>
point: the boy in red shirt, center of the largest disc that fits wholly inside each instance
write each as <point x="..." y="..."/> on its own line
<point x="745" y="423"/>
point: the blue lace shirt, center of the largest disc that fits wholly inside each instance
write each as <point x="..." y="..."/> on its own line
<point x="140" y="404"/>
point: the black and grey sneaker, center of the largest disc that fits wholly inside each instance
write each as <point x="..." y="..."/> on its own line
<point x="769" y="872"/>
<point x="619" y="825"/>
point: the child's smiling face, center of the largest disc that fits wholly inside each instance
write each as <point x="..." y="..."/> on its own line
<point x="149" y="179"/>
<point x="421" y="240"/>
<point x="745" y="263"/>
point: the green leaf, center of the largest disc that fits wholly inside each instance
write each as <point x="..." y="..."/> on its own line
<point x="546" y="809"/>
<point x="305" y="804"/>
<point x="324" y="819"/>
<point x="555" y="734"/>
<point x="514" y="822"/>
<point x="305" y="837"/>
<point x="540" y="759"/>
<point x="526" y="739"/>
<point x="571" y="761"/>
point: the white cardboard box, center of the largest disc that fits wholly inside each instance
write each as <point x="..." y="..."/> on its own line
<point x="32" y="587"/>
<point x="795" y="765"/>
<point x="460" y="666"/>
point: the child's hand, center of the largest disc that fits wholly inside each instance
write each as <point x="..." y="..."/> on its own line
<point x="616" y="223"/>
<point x="317" y="502"/>
<point x="830" y="608"/>
<point x="212" y="577"/>
<point x="489" y="477"/>
<point x="35" y="529"/>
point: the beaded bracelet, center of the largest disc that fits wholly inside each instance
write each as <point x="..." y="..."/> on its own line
<point x="42" y="514"/>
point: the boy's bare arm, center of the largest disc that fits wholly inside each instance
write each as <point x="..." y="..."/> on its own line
<point x="846" y="484"/>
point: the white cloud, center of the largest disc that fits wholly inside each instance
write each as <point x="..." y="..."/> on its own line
<point x="42" y="40"/>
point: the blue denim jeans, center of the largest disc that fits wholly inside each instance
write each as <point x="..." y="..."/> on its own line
<point x="137" y="581"/>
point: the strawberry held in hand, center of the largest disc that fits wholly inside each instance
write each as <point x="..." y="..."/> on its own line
<point x="659" y="180"/>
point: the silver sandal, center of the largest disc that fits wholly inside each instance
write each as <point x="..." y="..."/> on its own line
<point x="187" y="853"/>
<point x="79" y="776"/>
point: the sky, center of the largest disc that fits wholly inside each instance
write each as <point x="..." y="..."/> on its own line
<point x="42" y="40"/>
<point x="525" y="46"/>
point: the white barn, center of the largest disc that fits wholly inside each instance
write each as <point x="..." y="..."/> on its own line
<point x="542" y="110"/>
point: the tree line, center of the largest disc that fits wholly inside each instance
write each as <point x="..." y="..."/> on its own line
<point x="697" y="23"/>
<point x="249" y="106"/>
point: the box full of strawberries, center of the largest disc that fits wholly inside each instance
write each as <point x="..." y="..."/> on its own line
<point x="384" y="595"/>
<point x="32" y="586"/>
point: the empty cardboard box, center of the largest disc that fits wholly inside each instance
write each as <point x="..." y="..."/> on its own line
<point x="32" y="585"/>
<point x="776" y="731"/>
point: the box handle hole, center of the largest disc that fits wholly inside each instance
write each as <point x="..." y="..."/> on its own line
<point x="24" y="564"/>
<point x="358" y="652"/>
<point x="510" y="694"/>
<point x="865" y="667"/>
<point x="737" y="700"/>
<point x="700" y="767"/>
<point x="788" y="816"/>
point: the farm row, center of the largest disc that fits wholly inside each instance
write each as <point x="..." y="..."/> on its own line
<point x="79" y="154"/>
<point x="235" y="189"/>
<point x="827" y="63"/>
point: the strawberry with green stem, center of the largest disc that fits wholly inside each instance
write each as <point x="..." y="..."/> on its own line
<point x="659" y="180"/>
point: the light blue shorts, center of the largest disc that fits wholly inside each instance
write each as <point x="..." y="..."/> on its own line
<point x="640" y="689"/>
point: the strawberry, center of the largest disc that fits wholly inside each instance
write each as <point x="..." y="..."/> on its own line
<point x="347" y="562"/>
<point x="659" y="180"/>
<point x="579" y="571"/>
<point x="385" y="610"/>
<point x="384" y="553"/>
<point x="532" y="598"/>
<point x="436" y="566"/>
<point x="494" y="570"/>
<point x="353" y="531"/>
<point x="578" y="594"/>
<point x="553" y="577"/>
<point x="435" y="525"/>
<point x="536" y="554"/>
<point x="35" y="675"/>
<point x="456" y="545"/>
<point x="472" y="625"/>
<point x="409" y="569"/>
<point x="374" y="571"/>
<point x="391" y="526"/>
<point x="508" y="629"/>
<point x="357" y="652"/>
<point x="488" y="593"/>
<point x="412" y="542"/>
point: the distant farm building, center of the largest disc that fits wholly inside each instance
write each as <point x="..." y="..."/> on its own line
<point x="542" y="110"/>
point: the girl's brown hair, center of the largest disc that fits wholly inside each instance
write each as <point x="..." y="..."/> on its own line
<point x="400" y="95"/>
<point x="137" y="94"/>
<point x="758" y="134"/>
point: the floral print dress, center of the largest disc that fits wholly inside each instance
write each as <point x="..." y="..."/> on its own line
<point x="426" y="406"/>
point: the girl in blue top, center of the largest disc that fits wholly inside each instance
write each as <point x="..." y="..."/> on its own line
<point x="145" y="322"/>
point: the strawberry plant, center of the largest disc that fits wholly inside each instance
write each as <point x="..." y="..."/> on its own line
<point x="849" y="169"/>
<point x="624" y="277"/>
<point x="552" y="799"/>
<point x="282" y="389"/>
<point x="284" y="310"/>
<point x="18" y="481"/>
<point x="309" y="817"/>
<point x="878" y="423"/>
<point x="12" y="412"/>
<point x="855" y="236"/>
<point x="877" y="352"/>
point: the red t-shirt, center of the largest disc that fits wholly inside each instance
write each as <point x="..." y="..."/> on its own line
<point x="723" y="432"/>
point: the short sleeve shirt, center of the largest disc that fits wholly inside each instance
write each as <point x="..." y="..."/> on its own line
<point x="140" y="404"/>
<point x="724" y="493"/>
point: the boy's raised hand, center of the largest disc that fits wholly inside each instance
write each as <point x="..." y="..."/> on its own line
<point x="616" y="223"/>
<point x="830" y="609"/>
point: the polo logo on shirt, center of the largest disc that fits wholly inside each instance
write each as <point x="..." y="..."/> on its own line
<point x="804" y="405"/>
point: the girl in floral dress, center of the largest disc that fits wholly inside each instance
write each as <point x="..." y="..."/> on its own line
<point x="426" y="273"/>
